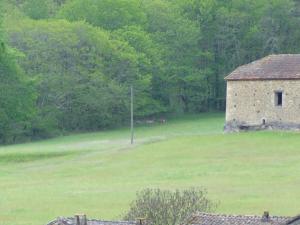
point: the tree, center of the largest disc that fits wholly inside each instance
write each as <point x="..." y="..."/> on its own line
<point x="175" y="54"/>
<point x="83" y="75"/>
<point x="16" y="96"/>
<point x="36" y="9"/>
<point x="150" y="64"/>
<point x="105" y="13"/>
<point x="164" y="207"/>
<point x="178" y="38"/>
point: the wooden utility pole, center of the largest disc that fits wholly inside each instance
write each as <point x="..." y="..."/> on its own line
<point x="131" y="109"/>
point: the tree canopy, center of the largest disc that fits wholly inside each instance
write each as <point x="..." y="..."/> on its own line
<point x="68" y="65"/>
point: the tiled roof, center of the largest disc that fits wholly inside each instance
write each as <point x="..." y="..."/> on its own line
<point x="71" y="221"/>
<point x="273" y="67"/>
<point x="216" y="219"/>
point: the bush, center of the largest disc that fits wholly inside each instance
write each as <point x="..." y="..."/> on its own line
<point x="164" y="207"/>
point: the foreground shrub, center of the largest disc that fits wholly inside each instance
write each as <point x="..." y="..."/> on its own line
<point x="164" y="207"/>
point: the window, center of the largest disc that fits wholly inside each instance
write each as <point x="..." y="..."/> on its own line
<point x="278" y="98"/>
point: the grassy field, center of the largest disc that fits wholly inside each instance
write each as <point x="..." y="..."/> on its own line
<point x="99" y="173"/>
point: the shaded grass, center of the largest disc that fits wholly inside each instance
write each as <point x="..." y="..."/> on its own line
<point x="99" y="173"/>
<point x="29" y="157"/>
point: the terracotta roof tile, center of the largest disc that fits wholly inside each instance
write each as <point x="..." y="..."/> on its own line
<point x="272" y="67"/>
<point x="216" y="219"/>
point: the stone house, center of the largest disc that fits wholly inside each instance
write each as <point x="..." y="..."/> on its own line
<point x="264" y="94"/>
<point x="218" y="219"/>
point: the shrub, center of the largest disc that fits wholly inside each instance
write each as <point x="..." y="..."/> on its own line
<point x="164" y="207"/>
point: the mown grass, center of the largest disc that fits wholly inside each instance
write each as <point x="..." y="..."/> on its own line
<point x="99" y="173"/>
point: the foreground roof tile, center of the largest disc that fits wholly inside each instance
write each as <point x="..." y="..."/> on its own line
<point x="219" y="219"/>
<point x="71" y="221"/>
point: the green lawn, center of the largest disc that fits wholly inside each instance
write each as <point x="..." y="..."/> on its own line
<point x="99" y="173"/>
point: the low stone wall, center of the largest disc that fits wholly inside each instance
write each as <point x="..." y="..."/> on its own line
<point x="238" y="126"/>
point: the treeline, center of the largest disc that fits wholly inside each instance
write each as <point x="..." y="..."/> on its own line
<point x="67" y="65"/>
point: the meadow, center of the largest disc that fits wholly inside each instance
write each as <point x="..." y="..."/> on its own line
<point x="99" y="173"/>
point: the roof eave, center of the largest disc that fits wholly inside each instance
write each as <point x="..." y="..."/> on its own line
<point x="261" y="79"/>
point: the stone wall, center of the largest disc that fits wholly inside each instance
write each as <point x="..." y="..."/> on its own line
<point x="250" y="104"/>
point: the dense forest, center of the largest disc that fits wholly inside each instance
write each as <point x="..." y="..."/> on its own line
<point x="67" y="65"/>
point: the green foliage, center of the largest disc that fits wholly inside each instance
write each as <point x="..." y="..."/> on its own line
<point x="165" y="207"/>
<point x="16" y="97"/>
<point x="83" y="76"/>
<point x="178" y="39"/>
<point x="238" y="32"/>
<point x="87" y="53"/>
<point x="36" y="9"/>
<point x="105" y="13"/>
<point x="150" y="63"/>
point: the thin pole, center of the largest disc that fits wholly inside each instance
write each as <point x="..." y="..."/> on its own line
<point x="131" y="97"/>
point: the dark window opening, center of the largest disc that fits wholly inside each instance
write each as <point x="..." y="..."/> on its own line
<point x="278" y="98"/>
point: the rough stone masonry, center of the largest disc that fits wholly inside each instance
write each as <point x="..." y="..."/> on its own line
<point x="264" y="94"/>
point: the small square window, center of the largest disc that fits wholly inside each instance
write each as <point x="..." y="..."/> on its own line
<point x="278" y="98"/>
